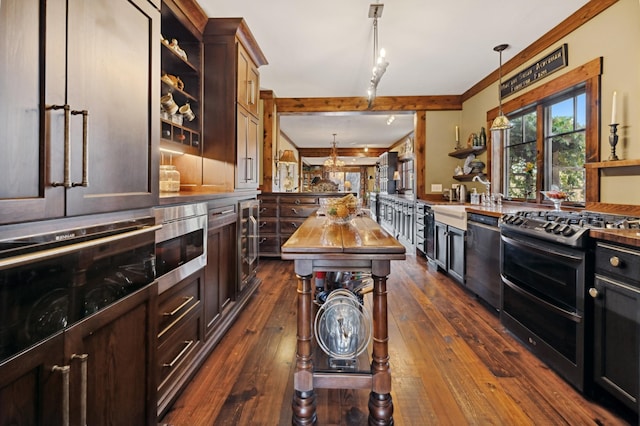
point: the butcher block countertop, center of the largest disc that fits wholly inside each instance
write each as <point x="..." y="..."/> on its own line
<point x="362" y="236"/>
<point x="630" y="237"/>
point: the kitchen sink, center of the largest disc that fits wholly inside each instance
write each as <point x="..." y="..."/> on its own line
<point x="451" y="214"/>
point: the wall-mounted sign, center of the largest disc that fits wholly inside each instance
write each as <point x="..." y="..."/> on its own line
<point x="551" y="63"/>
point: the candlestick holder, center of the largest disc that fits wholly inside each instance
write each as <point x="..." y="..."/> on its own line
<point x="458" y="146"/>
<point x="613" y="141"/>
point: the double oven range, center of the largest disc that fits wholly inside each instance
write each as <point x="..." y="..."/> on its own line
<point x="546" y="263"/>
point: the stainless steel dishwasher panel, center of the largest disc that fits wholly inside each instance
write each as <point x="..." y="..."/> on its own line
<point x="483" y="258"/>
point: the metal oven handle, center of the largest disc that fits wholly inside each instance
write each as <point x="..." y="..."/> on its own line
<point x="567" y="314"/>
<point x="547" y="250"/>
<point x="58" y="251"/>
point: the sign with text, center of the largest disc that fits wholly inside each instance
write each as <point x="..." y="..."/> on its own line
<point x="549" y="64"/>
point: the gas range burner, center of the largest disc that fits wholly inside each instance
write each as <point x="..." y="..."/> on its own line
<point x="564" y="227"/>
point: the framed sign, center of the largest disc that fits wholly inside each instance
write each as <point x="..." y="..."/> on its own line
<point x="551" y="63"/>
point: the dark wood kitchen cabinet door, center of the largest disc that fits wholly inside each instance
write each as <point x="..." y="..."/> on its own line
<point x="70" y="70"/>
<point x="30" y="386"/>
<point x="119" y="344"/>
<point x="220" y="272"/>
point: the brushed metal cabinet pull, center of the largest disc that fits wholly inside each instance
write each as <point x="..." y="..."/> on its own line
<point x="85" y="148"/>
<point x="83" y="386"/>
<point x="187" y="300"/>
<point x="67" y="145"/>
<point x="64" y="370"/>
<point x="174" y="361"/>
<point x="615" y="261"/>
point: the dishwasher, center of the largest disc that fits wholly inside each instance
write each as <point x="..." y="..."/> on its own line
<point x="483" y="258"/>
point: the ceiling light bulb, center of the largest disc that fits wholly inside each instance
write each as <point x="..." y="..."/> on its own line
<point x="383" y="53"/>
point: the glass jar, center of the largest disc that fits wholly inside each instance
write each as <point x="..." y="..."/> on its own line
<point x="169" y="179"/>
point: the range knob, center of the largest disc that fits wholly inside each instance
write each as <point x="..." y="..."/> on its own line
<point x="568" y="231"/>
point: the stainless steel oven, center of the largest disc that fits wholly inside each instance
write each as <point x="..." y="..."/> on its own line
<point x="543" y="301"/>
<point x="181" y="243"/>
<point x="55" y="273"/>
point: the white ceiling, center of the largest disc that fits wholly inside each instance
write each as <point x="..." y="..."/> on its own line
<point x="434" y="47"/>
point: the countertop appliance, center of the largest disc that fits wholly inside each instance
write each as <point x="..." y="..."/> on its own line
<point x="56" y="274"/>
<point x="181" y="244"/>
<point x="545" y="263"/>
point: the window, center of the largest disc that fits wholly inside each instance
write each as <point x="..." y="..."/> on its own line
<point x="546" y="148"/>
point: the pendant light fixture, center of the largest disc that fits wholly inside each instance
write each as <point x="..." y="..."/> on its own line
<point x="501" y="122"/>
<point x="332" y="164"/>
<point x="380" y="62"/>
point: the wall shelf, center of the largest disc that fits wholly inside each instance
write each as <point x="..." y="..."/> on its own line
<point x="612" y="164"/>
<point x="464" y="152"/>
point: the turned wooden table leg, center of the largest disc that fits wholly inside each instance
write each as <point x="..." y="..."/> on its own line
<point x="380" y="403"/>
<point x="304" y="397"/>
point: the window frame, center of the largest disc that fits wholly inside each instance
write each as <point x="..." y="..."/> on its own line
<point x="587" y="74"/>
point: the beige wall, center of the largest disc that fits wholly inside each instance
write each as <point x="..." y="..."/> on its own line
<point x="615" y="36"/>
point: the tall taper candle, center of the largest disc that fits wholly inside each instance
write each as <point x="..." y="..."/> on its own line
<point x="613" y="108"/>
<point x="457" y="134"/>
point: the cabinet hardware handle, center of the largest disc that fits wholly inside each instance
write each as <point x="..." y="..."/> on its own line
<point x="615" y="261"/>
<point x="262" y="210"/>
<point x="593" y="292"/>
<point x="262" y="240"/>
<point x="187" y="300"/>
<point x="58" y="251"/>
<point x="295" y="225"/>
<point x="297" y="201"/>
<point x="85" y="148"/>
<point x="67" y="145"/>
<point x="252" y="93"/>
<point x="294" y="211"/>
<point x="263" y="224"/>
<point x="184" y="350"/>
<point x="83" y="386"/>
<point x="64" y="370"/>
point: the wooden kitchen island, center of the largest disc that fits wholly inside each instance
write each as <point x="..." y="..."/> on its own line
<point x="363" y="246"/>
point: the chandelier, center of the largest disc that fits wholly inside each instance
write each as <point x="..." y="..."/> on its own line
<point x="501" y="122"/>
<point x="332" y="164"/>
<point x="380" y="62"/>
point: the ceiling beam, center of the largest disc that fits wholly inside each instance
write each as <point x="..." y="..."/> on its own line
<point x="382" y="104"/>
<point x="342" y="152"/>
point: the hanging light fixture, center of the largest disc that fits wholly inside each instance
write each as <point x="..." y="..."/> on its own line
<point x="380" y="62"/>
<point x="332" y="164"/>
<point x="501" y="122"/>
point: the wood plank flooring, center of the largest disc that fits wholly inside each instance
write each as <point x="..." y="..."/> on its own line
<point x="452" y="364"/>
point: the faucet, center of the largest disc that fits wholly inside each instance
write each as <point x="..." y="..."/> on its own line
<point x="487" y="184"/>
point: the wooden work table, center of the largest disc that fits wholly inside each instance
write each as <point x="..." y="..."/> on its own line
<point x="362" y="245"/>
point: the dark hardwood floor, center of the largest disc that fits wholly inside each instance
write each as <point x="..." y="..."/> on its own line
<point x="452" y="364"/>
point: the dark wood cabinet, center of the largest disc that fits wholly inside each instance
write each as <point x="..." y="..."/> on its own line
<point x="80" y="134"/>
<point x="26" y="378"/>
<point x="110" y="354"/>
<point x="616" y="298"/>
<point x="220" y="276"/>
<point x="231" y="90"/>
<point x="282" y="213"/>
<point x="179" y="337"/>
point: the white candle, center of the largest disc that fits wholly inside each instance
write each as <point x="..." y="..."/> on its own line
<point x="457" y="134"/>
<point x="613" y="108"/>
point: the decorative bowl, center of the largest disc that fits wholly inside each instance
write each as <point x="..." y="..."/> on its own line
<point x="340" y="210"/>
<point x="556" y="197"/>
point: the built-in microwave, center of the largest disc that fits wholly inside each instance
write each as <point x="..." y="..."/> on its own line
<point x="181" y="243"/>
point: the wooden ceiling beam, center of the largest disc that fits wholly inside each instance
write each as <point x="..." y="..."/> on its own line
<point x="342" y="152"/>
<point x="382" y="104"/>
